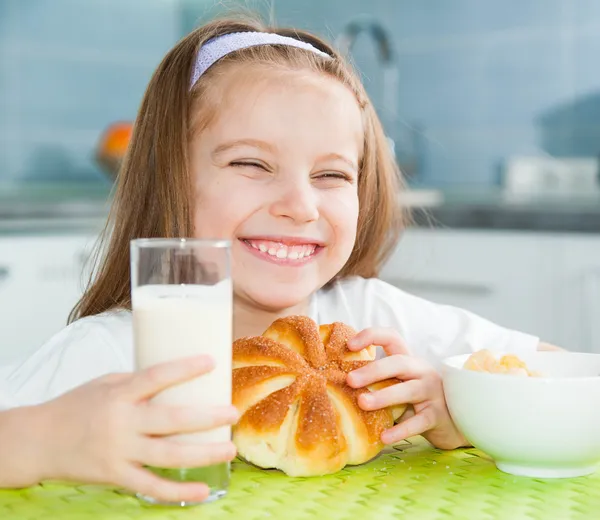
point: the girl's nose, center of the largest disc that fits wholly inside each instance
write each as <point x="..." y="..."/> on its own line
<point x="297" y="201"/>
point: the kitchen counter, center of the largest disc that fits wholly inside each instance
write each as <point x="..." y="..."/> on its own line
<point x="53" y="208"/>
<point x="75" y="207"/>
<point x="495" y="210"/>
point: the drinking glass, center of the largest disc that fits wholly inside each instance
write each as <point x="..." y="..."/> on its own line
<point x="181" y="295"/>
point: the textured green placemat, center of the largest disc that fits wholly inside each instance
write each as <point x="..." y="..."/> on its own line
<point x="412" y="481"/>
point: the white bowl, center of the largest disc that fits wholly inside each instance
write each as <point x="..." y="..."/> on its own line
<point x="547" y="427"/>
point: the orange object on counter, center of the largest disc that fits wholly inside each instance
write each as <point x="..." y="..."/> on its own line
<point x="113" y="146"/>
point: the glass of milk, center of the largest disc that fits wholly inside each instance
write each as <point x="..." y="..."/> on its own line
<point x="181" y="296"/>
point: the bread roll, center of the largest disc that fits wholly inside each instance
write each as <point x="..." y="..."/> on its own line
<point x="298" y="413"/>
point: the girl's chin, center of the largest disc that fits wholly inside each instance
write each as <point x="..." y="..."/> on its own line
<point x="290" y="301"/>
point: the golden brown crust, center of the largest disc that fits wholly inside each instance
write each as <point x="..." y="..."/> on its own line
<point x="247" y="377"/>
<point x="317" y="422"/>
<point x="376" y="421"/>
<point x="290" y="386"/>
<point x="269" y="413"/>
<point x="300" y="334"/>
<point x="260" y="349"/>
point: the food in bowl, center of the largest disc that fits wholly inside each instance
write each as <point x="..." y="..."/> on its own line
<point x="298" y="414"/>
<point x="485" y="361"/>
<point x="546" y="427"/>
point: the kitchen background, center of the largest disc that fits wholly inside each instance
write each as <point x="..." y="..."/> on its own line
<point x="493" y="109"/>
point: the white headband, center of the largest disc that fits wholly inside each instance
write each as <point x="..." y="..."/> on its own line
<point x="218" y="47"/>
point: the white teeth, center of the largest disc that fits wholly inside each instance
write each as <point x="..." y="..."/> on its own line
<point x="282" y="251"/>
<point x="307" y="251"/>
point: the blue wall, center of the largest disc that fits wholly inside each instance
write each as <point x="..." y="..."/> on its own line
<point x="480" y="80"/>
<point x="68" y="68"/>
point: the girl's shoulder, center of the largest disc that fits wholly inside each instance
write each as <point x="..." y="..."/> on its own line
<point x="87" y="348"/>
<point x="110" y="331"/>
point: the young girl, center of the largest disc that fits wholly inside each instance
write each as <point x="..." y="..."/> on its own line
<point x="266" y="138"/>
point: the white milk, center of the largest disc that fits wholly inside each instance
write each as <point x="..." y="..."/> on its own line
<point x="178" y="321"/>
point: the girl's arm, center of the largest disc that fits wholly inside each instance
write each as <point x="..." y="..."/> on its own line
<point x="22" y="432"/>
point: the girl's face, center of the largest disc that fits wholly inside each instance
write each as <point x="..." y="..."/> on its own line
<point x="276" y="172"/>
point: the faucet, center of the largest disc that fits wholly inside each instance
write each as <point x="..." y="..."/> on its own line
<point x="390" y="85"/>
<point x="345" y="42"/>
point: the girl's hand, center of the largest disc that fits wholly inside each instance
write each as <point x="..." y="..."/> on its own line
<point x="105" y="432"/>
<point x="419" y="385"/>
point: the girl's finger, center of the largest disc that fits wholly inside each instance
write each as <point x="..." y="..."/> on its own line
<point x="164" y="420"/>
<point x="410" y="392"/>
<point x="144" y="482"/>
<point x="389" y="339"/>
<point x="415" y="425"/>
<point x="400" y="366"/>
<point x="165" y="453"/>
<point x="153" y="380"/>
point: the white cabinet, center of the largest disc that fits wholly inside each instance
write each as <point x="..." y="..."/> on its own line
<point x="544" y="284"/>
<point x="41" y="279"/>
<point x="577" y="292"/>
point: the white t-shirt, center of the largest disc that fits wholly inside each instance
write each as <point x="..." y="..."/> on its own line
<point x="101" y="344"/>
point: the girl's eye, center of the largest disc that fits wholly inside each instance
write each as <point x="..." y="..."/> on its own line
<point x="335" y="175"/>
<point x="251" y="164"/>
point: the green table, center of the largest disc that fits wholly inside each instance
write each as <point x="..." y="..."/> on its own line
<point x="412" y="481"/>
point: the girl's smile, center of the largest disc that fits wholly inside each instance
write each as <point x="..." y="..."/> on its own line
<point x="284" y="251"/>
